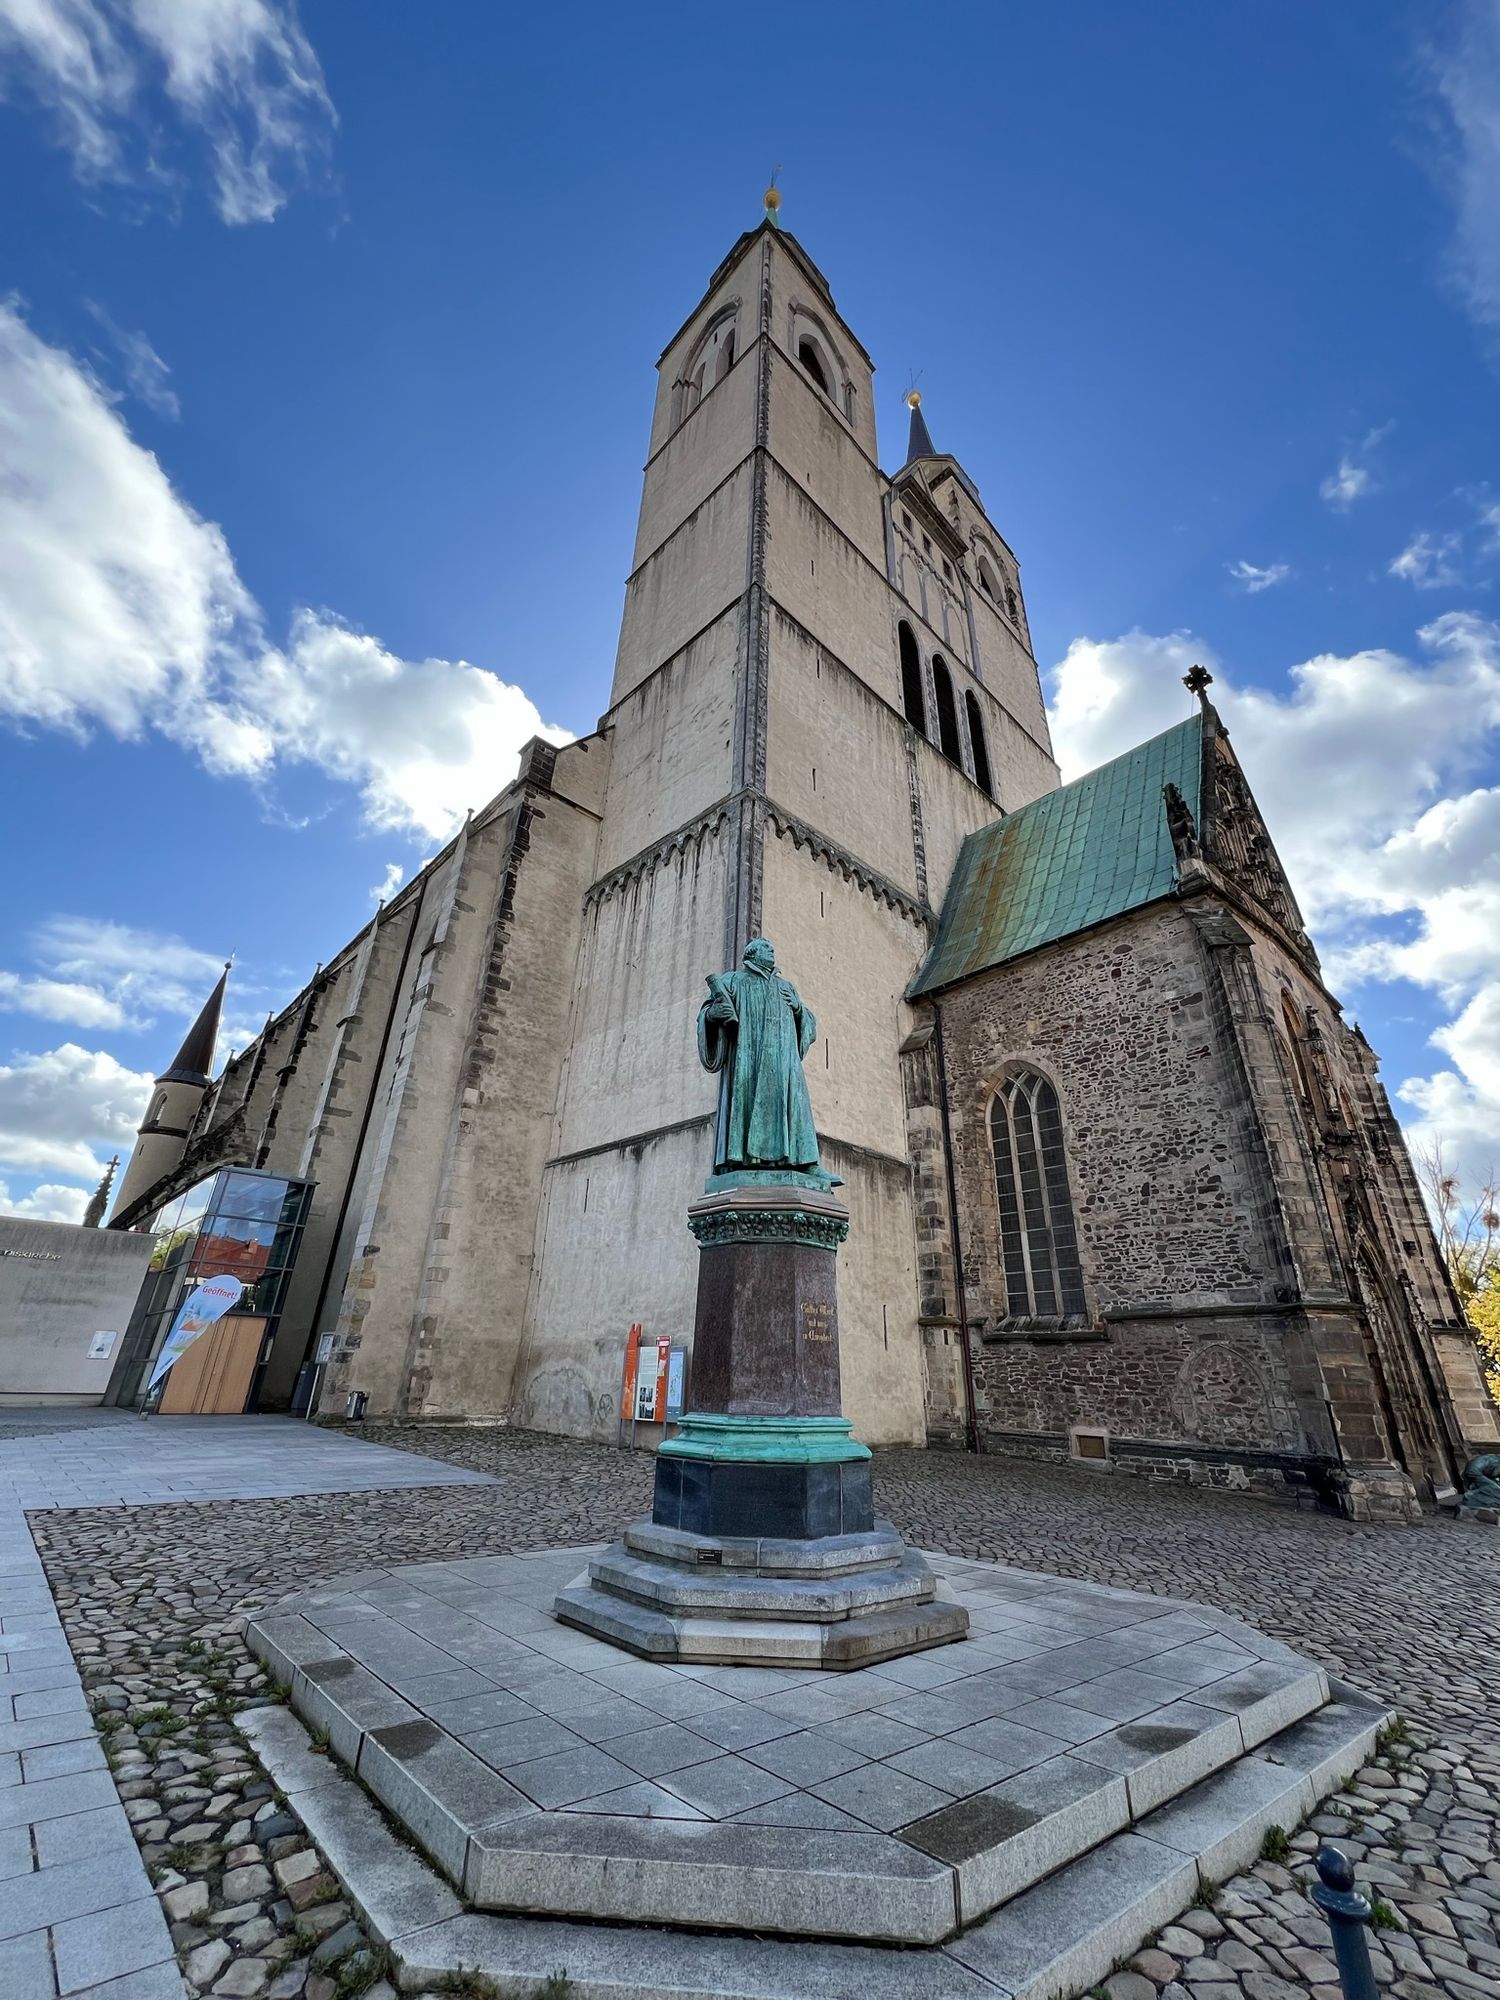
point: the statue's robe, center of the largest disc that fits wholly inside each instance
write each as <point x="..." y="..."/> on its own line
<point x="765" y="1116"/>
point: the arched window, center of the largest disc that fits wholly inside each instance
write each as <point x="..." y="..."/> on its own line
<point x="988" y="581"/>
<point x="807" y="354"/>
<point x="726" y="356"/>
<point x="1038" y="1240"/>
<point x="912" y="698"/>
<point x="158" y="1107"/>
<point x="709" y="362"/>
<point x="977" y="744"/>
<point x="947" y="710"/>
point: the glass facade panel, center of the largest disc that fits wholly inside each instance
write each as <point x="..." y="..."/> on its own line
<point x="237" y="1223"/>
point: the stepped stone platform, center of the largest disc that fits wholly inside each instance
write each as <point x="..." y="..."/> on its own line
<point x="1011" y="1813"/>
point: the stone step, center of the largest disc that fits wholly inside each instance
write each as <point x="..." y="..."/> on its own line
<point x="826" y="1555"/>
<point x="858" y="1639"/>
<point x="667" y="1586"/>
<point x="1058" y="1938"/>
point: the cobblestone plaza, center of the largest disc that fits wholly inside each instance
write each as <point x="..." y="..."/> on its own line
<point x="159" y="1539"/>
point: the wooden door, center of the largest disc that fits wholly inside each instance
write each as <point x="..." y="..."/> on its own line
<point x="213" y="1377"/>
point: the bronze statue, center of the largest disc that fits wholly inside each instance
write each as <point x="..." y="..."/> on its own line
<point x="754" y="1030"/>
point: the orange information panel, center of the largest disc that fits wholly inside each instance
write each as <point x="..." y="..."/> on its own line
<point x="663" y="1362"/>
<point x="632" y="1366"/>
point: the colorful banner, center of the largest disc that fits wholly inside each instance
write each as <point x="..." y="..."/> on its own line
<point x="207" y="1303"/>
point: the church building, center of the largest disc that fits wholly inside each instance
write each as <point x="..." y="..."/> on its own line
<point x="1123" y="1186"/>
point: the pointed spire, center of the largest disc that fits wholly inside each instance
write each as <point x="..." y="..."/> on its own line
<point x="196" y="1056"/>
<point x="93" y="1215"/>
<point x="919" y="442"/>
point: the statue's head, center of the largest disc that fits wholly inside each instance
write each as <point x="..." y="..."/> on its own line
<point x="761" y="953"/>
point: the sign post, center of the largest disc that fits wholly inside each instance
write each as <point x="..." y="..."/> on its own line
<point x="628" y="1381"/>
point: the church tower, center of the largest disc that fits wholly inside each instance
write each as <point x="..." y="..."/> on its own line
<point x="823" y="683"/>
<point x="179" y="1091"/>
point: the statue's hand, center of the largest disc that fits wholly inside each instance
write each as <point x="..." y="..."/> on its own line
<point x="721" y="1008"/>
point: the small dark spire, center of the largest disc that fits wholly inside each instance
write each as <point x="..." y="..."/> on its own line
<point x="93" y="1215"/>
<point x="195" y="1058"/>
<point x="919" y="440"/>
<point x="1198" y="680"/>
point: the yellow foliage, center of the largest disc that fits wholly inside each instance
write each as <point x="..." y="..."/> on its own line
<point x="1483" y="1308"/>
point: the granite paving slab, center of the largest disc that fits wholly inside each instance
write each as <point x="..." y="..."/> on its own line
<point x="565" y="1779"/>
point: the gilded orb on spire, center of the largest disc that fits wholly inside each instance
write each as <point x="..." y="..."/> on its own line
<point x="773" y="199"/>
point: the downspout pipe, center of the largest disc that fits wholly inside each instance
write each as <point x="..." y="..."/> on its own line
<point x="971" y="1410"/>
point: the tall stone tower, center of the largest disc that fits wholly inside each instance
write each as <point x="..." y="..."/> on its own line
<point x="824" y="682"/>
<point x="179" y="1092"/>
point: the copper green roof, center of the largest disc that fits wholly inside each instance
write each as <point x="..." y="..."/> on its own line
<point x="1074" y="857"/>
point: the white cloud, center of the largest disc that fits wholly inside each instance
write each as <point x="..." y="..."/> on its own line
<point x="1430" y="562"/>
<point x="1347" y="483"/>
<point x="49" y="1202"/>
<point x="120" y="608"/>
<point x="60" y="1000"/>
<point x="1354" y="477"/>
<point x="1253" y="579"/>
<point x="57" y="1107"/>
<point x="389" y="883"/>
<point x="1370" y="770"/>
<point x="240" y="73"/>
<point x="1465" y="74"/>
<point x="142" y="972"/>
<point x="147" y="376"/>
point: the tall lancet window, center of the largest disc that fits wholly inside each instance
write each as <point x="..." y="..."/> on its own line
<point x="977" y="744"/>
<point x="912" y="698"/>
<point x="1038" y="1240"/>
<point x="947" y="710"/>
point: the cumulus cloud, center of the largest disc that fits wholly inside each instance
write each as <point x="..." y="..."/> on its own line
<point x="1371" y="769"/>
<point x="142" y="973"/>
<point x="60" y="1000"/>
<point x="1252" y="579"/>
<point x="239" y="74"/>
<point x="1430" y="562"/>
<point x="122" y="609"/>
<point x="1464" y="68"/>
<point x="48" y="1202"/>
<point x="59" y="1110"/>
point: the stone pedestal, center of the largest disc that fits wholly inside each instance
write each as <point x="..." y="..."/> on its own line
<point x="763" y="1546"/>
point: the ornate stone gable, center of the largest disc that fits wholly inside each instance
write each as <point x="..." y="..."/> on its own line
<point x="1234" y="838"/>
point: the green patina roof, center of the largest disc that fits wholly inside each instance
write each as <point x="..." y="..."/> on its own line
<point x="1073" y="857"/>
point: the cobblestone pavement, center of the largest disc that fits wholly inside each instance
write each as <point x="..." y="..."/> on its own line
<point x="154" y="1599"/>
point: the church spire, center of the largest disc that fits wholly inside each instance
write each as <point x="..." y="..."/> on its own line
<point x="194" y="1060"/>
<point x="93" y="1215"/>
<point x="919" y="440"/>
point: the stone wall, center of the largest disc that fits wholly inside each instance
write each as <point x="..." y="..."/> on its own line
<point x="59" y="1286"/>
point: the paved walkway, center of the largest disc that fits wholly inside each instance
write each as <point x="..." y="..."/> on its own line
<point x="78" y="1914"/>
<point x="153" y="1599"/>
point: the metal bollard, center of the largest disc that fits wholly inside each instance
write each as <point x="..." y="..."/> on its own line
<point x="1348" y="1914"/>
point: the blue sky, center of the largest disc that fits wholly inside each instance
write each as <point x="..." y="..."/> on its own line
<point x="325" y="374"/>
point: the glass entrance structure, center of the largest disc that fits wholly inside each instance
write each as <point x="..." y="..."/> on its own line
<point x="237" y="1223"/>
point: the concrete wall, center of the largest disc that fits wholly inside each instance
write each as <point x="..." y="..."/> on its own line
<point x="59" y="1286"/>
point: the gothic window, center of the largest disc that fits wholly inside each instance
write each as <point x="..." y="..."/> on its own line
<point x="947" y="711"/>
<point x="977" y="744"/>
<point x="157" y="1108"/>
<point x="912" y="698"/>
<point x="989" y="583"/>
<point x="807" y="354"/>
<point x="709" y="362"/>
<point x="1038" y="1240"/>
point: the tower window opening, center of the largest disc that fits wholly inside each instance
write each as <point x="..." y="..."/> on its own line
<point x="726" y="356"/>
<point x="988" y="581"/>
<point x="978" y="745"/>
<point x="1038" y="1237"/>
<point x="1012" y="606"/>
<point x="906" y="520"/>
<point x="807" y="354"/>
<point x="912" y="698"/>
<point x="947" y="710"/>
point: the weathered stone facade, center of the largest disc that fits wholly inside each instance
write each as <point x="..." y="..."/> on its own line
<point x="824" y="687"/>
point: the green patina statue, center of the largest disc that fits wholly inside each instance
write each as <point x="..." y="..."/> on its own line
<point x="754" y="1030"/>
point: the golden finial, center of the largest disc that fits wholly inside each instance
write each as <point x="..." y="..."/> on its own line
<point x="773" y="198"/>
<point x="913" y="399"/>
